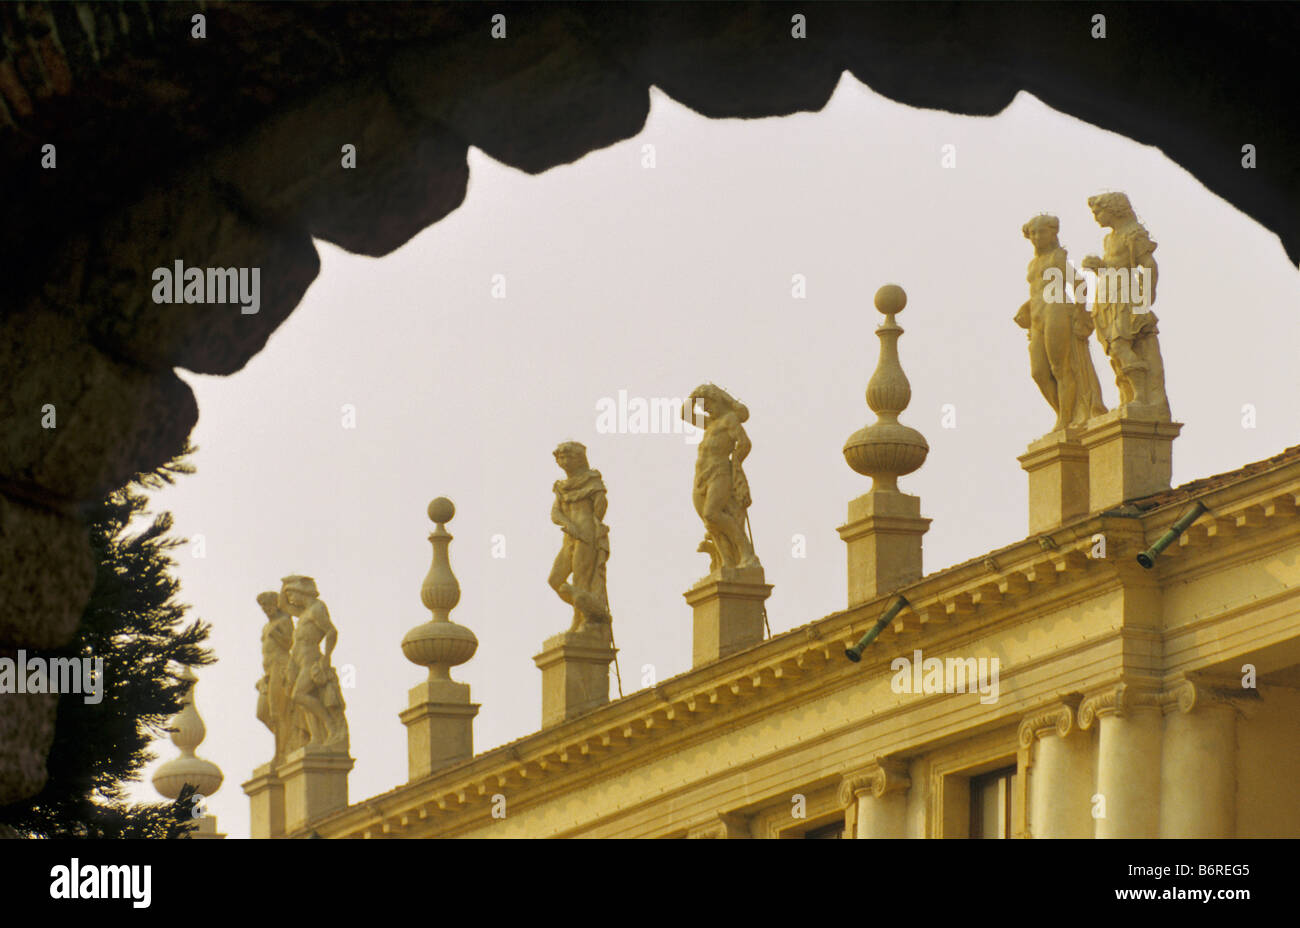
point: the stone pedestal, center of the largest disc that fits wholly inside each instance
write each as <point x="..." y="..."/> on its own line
<point x="265" y="793"/>
<point x="315" y="784"/>
<point x="439" y="726"/>
<point x="728" y="607"/>
<point x="883" y="536"/>
<point x="1057" y="465"/>
<point x="1128" y="457"/>
<point x="575" y="675"/>
<point x="207" y="829"/>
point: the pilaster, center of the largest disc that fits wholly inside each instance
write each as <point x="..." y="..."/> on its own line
<point x="1198" y="769"/>
<point x="1129" y="729"/>
<point x="876" y="797"/>
<point x="1059" y="772"/>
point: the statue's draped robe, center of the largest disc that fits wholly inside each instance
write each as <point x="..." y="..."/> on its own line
<point x="578" y="489"/>
<point x="1087" y="392"/>
<point x="1114" y="317"/>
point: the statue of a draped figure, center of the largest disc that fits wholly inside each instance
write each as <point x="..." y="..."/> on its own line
<point x="721" y="492"/>
<point x="578" y="573"/>
<point x="1059" y="360"/>
<point x="1126" y="326"/>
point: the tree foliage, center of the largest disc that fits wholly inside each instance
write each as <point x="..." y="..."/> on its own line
<point x="135" y="623"/>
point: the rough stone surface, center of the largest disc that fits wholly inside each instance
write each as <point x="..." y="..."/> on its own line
<point x="26" y="733"/>
<point x="111" y="420"/>
<point x="48" y="575"/>
<point x="190" y="222"/>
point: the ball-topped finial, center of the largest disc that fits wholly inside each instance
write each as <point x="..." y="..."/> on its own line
<point x="887" y="449"/>
<point x="890" y="299"/>
<point x="441" y="510"/>
<point x="440" y="644"/>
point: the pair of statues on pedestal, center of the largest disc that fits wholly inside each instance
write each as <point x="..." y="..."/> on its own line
<point x="720" y="494"/>
<point x="1122" y="318"/>
<point x="299" y="696"/>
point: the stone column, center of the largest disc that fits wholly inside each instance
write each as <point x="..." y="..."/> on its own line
<point x="1057" y="465"/>
<point x="1198" y="764"/>
<point x="1127" y="458"/>
<point x="315" y="784"/>
<point x="728" y="612"/>
<point x="1129" y="732"/>
<point x="266" y="798"/>
<point x="875" y="800"/>
<point x="440" y="718"/>
<point x="1059" y="772"/>
<point x="575" y="674"/>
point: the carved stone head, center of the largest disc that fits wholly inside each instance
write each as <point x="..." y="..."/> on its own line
<point x="1042" y="231"/>
<point x="1109" y="209"/>
<point x="572" y="457"/>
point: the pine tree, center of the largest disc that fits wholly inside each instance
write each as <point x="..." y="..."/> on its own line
<point x="134" y="623"/>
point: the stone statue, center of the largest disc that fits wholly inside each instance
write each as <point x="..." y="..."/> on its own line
<point x="578" y="574"/>
<point x="1126" y="326"/>
<point x="275" y="708"/>
<point x="721" y="492"/>
<point x="1059" y="360"/>
<point x="315" y="687"/>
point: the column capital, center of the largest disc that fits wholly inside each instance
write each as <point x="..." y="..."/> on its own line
<point x="724" y="825"/>
<point x="1119" y="699"/>
<point x="1058" y="717"/>
<point x="881" y="776"/>
<point x="1190" y="693"/>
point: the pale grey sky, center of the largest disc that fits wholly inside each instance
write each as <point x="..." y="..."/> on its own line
<point x="654" y="280"/>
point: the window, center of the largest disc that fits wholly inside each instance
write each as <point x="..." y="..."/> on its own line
<point x="991" y="803"/>
<point x="833" y="830"/>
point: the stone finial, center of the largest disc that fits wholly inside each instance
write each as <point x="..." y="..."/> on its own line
<point x="440" y="644"/>
<point x="885" y="525"/>
<point x="188" y="732"/>
<point x="887" y="449"/>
